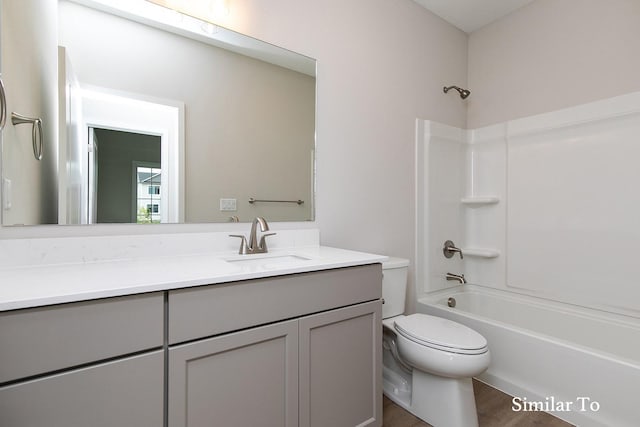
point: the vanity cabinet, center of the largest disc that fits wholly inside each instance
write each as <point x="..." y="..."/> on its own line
<point x="310" y="364"/>
<point x="95" y="363"/>
<point x="285" y="351"/>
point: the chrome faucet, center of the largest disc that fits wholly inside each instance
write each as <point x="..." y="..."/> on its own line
<point x="459" y="277"/>
<point x="254" y="247"/>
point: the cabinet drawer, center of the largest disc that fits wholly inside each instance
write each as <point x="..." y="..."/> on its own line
<point x="205" y="311"/>
<point x="125" y="392"/>
<point x="45" y="339"/>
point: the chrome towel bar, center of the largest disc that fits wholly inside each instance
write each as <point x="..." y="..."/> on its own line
<point x="252" y="201"/>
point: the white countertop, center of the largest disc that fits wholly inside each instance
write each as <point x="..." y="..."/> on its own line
<point x="37" y="285"/>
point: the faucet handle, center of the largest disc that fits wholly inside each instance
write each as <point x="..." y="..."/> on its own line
<point x="263" y="242"/>
<point x="243" y="243"/>
<point x="450" y="248"/>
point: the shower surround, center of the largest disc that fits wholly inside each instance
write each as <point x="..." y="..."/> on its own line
<point x="544" y="206"/>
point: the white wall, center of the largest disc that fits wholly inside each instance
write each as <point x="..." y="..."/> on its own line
<point x="553" y="54"/>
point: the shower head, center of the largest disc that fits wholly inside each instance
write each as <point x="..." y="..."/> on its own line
<point x="464" y="93"/>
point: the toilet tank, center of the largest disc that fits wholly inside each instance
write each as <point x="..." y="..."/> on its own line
<point x="394" y="286"/>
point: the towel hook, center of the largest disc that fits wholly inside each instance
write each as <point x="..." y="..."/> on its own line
<point x="36" y="132"/>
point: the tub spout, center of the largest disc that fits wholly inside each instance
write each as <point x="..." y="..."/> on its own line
<point x="459" y="277"/>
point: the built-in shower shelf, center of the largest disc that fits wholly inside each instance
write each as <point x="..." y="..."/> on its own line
<point x="480" y="252"/>
<point x="479" y="200"/>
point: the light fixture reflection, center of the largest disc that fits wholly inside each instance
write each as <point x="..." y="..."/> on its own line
<point x="212" y="11"/>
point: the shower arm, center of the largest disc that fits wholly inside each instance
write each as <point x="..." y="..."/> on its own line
<point x="464" y="93"/>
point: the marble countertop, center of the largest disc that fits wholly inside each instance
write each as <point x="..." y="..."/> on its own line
<point x="38" y="285"/>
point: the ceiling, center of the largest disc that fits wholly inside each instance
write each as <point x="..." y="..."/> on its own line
<point x="470" y="15"/>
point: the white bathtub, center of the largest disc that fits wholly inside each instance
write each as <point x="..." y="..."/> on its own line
<point x="552" y="353"/>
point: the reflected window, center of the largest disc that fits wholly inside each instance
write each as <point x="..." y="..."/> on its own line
<point x="148" y="194"/>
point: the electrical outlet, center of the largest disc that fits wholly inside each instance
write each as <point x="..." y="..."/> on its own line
<point x="228" y="205"/>
<point x="6" y="193"/>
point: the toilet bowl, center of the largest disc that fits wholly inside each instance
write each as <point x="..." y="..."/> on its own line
<point x="428" y="362"/>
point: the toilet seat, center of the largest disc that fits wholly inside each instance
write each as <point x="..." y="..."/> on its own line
<point x="440" y="334"/>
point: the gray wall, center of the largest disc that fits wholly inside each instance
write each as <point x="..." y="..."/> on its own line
<point x="553" y="54"/>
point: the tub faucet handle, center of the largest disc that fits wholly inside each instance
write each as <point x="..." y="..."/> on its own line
<point x="450" y="248"/>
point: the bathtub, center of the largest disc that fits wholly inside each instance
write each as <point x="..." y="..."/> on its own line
<point x="581" y="365"/>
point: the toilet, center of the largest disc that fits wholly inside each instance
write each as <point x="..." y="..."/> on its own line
<point x="428" y="361"/>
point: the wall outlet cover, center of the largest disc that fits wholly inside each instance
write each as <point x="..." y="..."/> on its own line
<point x="6" y="193"/>
<point x="228" y="205"/>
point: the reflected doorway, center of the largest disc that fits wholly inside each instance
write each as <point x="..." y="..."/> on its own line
<point x="123" y="129"/>
<point x="124" y="177"/>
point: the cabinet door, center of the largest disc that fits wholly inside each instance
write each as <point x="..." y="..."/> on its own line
<point x="126" y="392"/>
<point x="341" y="367"/>
<point x="247" y="378"/>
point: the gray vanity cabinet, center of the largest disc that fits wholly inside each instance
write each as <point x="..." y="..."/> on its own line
<point x="247" y="378"/>
<point x="315" y="362"/>
<point x="95" y="363"/>
<point x="285" y="351"/>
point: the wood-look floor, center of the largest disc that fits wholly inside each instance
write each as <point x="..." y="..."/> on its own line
<point x="494" y="410"/>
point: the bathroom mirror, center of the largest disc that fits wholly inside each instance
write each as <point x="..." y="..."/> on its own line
<point x="234" y="136"/>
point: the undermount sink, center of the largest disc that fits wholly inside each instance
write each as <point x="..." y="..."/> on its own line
<point x="267" y="260"/>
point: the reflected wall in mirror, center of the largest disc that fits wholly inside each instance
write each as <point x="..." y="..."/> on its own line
<point x="245" y="124"/>
<point x="28" y="69"/>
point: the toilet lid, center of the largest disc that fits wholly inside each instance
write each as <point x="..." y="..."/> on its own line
<point x="440" y="333"/>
